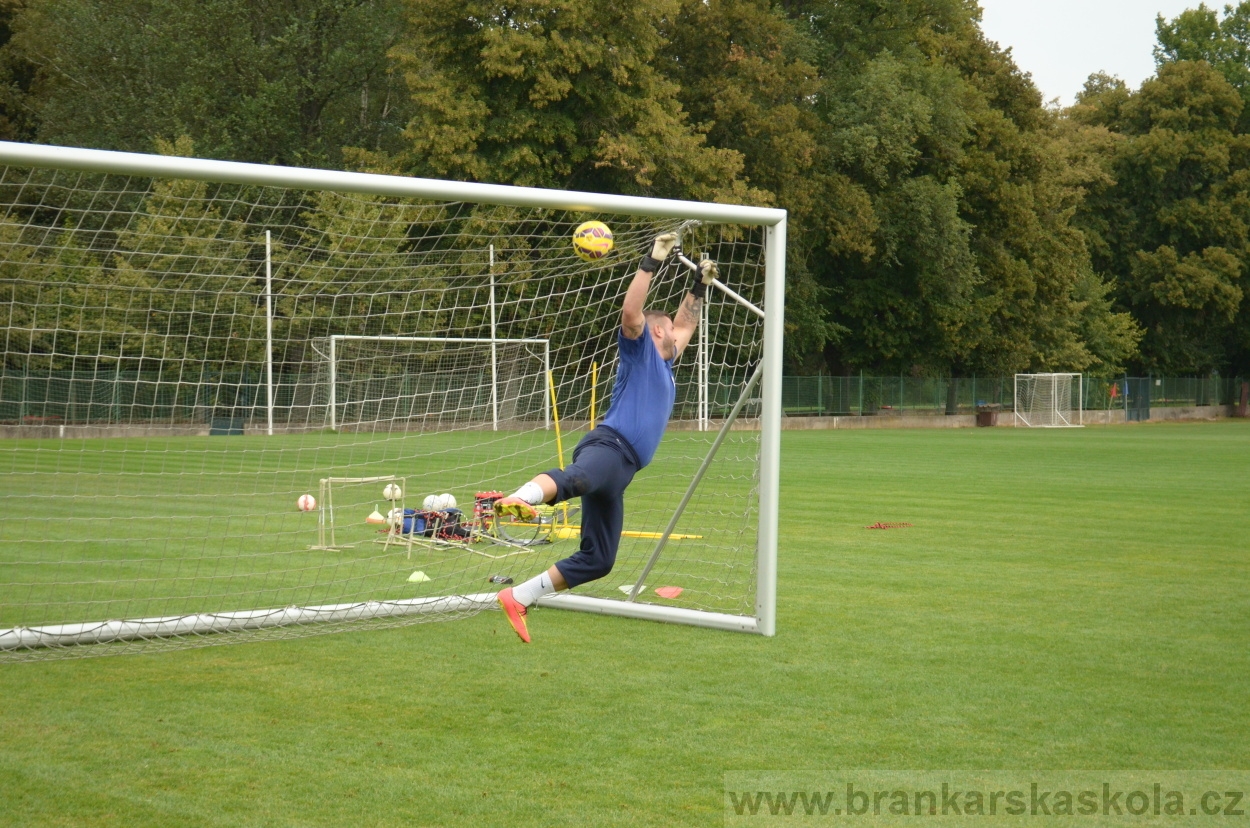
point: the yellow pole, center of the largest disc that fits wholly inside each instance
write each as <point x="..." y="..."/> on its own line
<point x="594" y="381"/>
<point x="555" y="415"/>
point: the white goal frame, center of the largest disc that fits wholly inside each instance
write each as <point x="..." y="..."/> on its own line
<point x="764" y="385"/>
<point x="493" y="342"/>
<point x="1056" y="416"/>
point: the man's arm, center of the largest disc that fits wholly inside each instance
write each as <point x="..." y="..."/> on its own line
<point x="632" y="319"/>
<point x="687" y="320"/>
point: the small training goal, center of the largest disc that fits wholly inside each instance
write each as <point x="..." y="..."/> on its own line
<point x="1049" y="400"/>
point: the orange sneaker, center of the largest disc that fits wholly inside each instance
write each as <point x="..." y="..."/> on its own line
<point x="515" y="611"/>
<point x="515" y="507"/>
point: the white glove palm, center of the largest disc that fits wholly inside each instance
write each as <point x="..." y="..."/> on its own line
<point x="708" y="271"/>
<point x="663" y="246"/>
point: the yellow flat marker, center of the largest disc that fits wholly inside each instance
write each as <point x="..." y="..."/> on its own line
<point x="567" y="532"/>
<point x="630" y="534"/>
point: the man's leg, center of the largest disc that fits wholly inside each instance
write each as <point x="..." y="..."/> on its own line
<point x="521" y="503"/>
<point x="603" y="517"/>
<point x="515" y="601"/>
<point x="599" y="475"/>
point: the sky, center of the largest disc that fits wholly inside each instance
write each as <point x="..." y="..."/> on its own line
<point x="1063" y="42"/>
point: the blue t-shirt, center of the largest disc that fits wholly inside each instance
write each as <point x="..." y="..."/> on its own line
<point x="643" y="396"/>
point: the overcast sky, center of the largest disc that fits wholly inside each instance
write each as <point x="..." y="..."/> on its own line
<point x="1062" y="42"/>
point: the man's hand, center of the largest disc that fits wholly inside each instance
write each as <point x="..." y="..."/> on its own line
<point x="704" y="276"/>
<point x="660" y="249"/>
<point x="708" y="271"/>
<point x="663" y="246"/>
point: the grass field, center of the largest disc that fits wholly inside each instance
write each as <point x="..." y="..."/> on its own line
<point x="1064" y="599"/>
<point x="150" y="527"/>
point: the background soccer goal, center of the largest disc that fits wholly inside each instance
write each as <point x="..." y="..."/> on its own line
<point x="192" y="345"/>
<point x="1049" y="400"/>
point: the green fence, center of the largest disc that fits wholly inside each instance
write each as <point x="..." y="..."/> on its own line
<point x="865" y="395"/>
<point x="106" y="396"/>
<point x="123" y="397"/>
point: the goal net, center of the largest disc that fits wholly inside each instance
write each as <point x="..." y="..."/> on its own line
<point x="415" y="382"/>
<point x="242" y="402"/>
<point x="1048" y="400"/>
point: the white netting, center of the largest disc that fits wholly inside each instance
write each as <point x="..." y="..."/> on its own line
<point x="138" y="477"/>
<point x="398" y="383"/>
<point x="1048" y="400"/>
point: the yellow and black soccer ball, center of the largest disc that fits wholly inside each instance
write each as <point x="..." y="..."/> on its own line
<point x="592" y="240"/>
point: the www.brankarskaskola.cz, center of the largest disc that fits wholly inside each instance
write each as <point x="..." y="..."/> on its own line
<point x="1037" y="801"/>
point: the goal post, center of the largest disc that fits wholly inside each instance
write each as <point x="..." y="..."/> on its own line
<point x="1051" y="400"/>
<point x="194" y="345"/>
<point x="420" y="373"/>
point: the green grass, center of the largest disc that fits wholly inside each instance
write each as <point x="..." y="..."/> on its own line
<point x="1064" y="599"/>
<point x="139" y="527"/>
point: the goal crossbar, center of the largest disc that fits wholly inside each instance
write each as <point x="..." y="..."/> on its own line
<point x="235" y="172"/>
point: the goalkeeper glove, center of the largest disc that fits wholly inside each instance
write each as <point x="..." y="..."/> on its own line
<point x="659" y="252"/>
<point x="706" y="274"/>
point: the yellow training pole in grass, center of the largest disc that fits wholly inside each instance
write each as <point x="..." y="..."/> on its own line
<point x="594" y="380"/>
<point x="555" y="416"/>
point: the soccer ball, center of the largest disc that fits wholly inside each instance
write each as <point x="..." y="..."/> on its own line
<point x="395" y="517"/>
<point x="592" y="240"/>
<point x="307" y="503"/>
<point x="392" y="492"/>
<point x="440" y="503"/>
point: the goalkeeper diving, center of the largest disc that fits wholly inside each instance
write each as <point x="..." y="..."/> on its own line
<point x="608" y="457"/>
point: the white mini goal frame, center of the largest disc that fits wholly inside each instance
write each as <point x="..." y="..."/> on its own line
<point x="767" y="377"/>
<point x="493" y="342"/>
<point x="1054" y="415"/>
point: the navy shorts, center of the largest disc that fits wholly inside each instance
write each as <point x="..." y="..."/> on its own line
<point x="603" y="465"/>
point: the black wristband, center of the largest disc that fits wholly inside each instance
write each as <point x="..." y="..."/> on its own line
<point x="698" y="290"/>
<point x="649" y="264"/>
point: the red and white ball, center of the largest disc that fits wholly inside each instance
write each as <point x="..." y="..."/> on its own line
<point x="306" y="503"/>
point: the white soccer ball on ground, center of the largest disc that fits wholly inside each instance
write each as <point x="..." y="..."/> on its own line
<point x="445" y="501"/>
<point x="392" y="492"/>
<point x="430" y="503"/>
<point x="395" y="517"/>
<point x="307" y="503"/>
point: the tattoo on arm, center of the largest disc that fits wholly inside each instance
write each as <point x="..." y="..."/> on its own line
<point x="690" y="310"/>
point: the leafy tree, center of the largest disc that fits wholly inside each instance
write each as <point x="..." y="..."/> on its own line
<point x="1174" y="230"/>
<point x="563" y="93"/>
<point x="968" y="261"/>
<point x="16" y="76"/>
<point x="351" y="272"/>
<point x="56" y="301"/>
<point x="191" y="274"/>
<point x="283" y="81"/>
<point x="1200" y="34"/>
<point x="746" y="71"/>
<point x="1045" y="307"/>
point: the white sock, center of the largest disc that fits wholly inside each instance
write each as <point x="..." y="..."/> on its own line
<point x="529" y="592"/>
<point x="531" y="493"/>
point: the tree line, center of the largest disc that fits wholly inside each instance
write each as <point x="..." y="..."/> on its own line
<point x="944" y="218"/>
